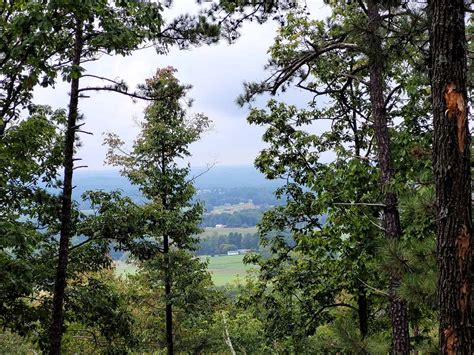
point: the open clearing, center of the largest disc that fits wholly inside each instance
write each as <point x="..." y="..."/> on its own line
<point x="224" y="269"/>
<point x="227" y="269"/>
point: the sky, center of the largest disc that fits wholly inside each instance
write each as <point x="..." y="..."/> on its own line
<point x="216" y="72"/>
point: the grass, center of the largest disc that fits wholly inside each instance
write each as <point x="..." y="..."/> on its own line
<point x="210" y="231"/>
<point x="227" y="268"/>
<point x="224" y="269"/>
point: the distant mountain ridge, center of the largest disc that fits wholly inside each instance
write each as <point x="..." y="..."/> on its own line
<point x="217" y="177"/>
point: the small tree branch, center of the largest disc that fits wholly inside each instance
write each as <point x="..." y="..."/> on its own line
<point x="391" y="93"/>
<point x="102" y="78"/>
<point x="375" y="289"/>
<point x="358" y="204"/>
<point x="118" y="90"/>
<point x="375" y="224"/>
<point x="80" y="166"/>
<point x="86" y="132"/>
<point x="287" y="72"/>
<point x="208" y="168"/>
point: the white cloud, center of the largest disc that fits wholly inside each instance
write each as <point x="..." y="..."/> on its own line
<point x="216" y="73"/>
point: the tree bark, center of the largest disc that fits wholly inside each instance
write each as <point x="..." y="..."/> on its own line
<point x="56" y="328"/>
<point x="393" y="230"/>
<point x="451" y="167"/>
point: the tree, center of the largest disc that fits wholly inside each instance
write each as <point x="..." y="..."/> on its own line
<point x="170" y="220"/>
<point x="313" y="262"/>
<point x="29" y="55"/>
<point x="451" y="166"/>
<point x="123" y="27"/>
<point x="196" y="303"/>
<point x="392" y="225"/>
<point x="326" y="60"/>
<point x="30" y="158"/>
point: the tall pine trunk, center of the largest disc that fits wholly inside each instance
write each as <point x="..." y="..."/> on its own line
<point x="451" y="167"/>
<point x="393" y="230"/>
<point x="56" y="328"/>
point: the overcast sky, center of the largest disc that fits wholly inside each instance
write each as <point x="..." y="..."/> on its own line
<point x="216" y="72"/>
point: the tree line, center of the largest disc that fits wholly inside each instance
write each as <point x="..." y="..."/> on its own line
<point x="222" y="243"/>
<point x="393" y="256"/>
<point x="245" y="218"/>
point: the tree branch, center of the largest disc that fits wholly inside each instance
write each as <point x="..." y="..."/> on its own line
<point x="117" y="90"/>
<point x="358" y="204"/>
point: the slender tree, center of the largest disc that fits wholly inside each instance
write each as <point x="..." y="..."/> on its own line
<point x="66" y="220"/>
<point x="123" y="27"/>
<point x="451" y="165"/>
<point x="170" y="219"/>
<point x="392" y="225"/>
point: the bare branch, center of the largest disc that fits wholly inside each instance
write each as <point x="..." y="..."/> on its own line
<point x="296" y="64"/>
<point x="358" y="204"/>
<point x="89" y="133"/>
<point x="80" y="166"/>
<point x="208" y="168"/>
<point x="117" y="90"/>
<point x="102" y="78"/>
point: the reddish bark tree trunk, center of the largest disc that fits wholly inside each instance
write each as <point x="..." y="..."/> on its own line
<point x="451" y="166"/>
<point x="56" y="328"/>
<point x="393" y="229"/>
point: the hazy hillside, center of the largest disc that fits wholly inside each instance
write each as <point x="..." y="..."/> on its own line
<point x="219" y="177"/>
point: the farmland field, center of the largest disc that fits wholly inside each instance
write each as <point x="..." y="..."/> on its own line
<point x="224" y="269"/>
<point x="227" y="268"/>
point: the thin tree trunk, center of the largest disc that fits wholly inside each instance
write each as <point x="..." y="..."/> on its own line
<point x="3" y="126"/>
<point x="393" y="230"/>
<point x="56" y="328"/>
<point x="167" y="269"/>
<point x="363" y="311"/>
<point x="169" y="310"/>
<point x="451" y="166"/>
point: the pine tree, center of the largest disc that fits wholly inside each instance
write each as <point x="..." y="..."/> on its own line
<point x="451" y="166"/>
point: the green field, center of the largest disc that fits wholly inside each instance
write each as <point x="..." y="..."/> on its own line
<point x="224" y="269"/>
<point x="227" y="269"/>
<point x="210" y="231"/>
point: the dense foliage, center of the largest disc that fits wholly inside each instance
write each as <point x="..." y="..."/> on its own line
<point x="368" y="252"/>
